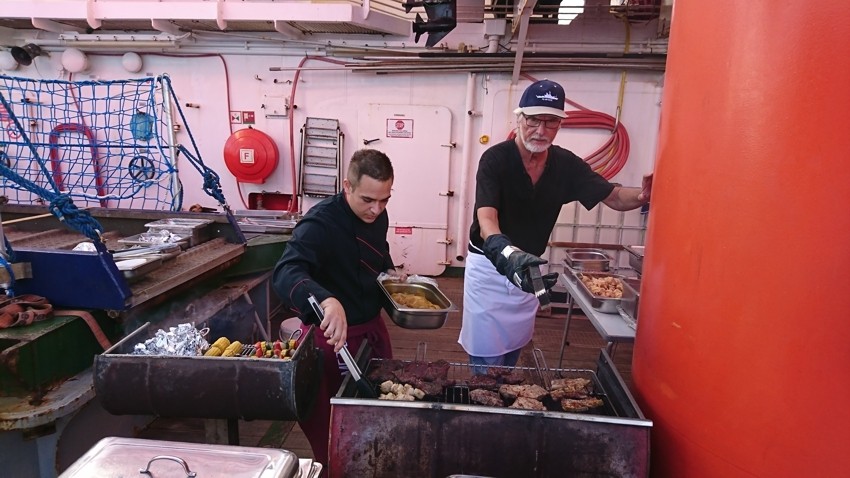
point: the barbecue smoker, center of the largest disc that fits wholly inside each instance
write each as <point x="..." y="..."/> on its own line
<point x="380" y="438"/>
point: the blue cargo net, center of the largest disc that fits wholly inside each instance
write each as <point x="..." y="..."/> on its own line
<point x="100" y="143"/>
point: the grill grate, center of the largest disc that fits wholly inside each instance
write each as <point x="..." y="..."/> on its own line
<point x="461" y="379"/>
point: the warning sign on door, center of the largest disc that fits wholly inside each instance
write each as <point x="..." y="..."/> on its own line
<point x="399" y="128"/>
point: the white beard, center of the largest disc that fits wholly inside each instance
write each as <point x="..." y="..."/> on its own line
<point x="533" y="147"/>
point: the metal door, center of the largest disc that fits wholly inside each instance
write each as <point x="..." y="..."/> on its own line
<point x="418" y="141"/>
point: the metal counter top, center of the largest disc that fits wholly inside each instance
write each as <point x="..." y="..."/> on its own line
<point x="611" y="327"/>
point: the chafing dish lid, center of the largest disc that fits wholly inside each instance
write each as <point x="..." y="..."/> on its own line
<point x="112" y="457"/>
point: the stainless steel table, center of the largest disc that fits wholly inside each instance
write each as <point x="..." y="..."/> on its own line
<point x="613" y="328"/>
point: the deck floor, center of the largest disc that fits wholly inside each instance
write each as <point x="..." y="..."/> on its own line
<point x="582" y="352"/>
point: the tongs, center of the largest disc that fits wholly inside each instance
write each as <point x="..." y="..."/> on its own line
<point x="539" y="286"/>
<point x="363" y="385"/>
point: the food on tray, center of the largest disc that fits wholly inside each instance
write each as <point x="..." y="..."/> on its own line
<point x="513" y="392"/>
<point x="384" y="370"/>
<point x="218" y="347"/>
<point x="576" y="388"/>
<point x="413" y="301"/>
<point x="526" y="403"/>
<point x="486" y="397"/>
<point x="396" y="391"/>
<point x="603" y="286"/>
<point x="483" y="381"/>
<point x="580" y="405"/>
<point x="232" y="350"/>
<point x="428" y="377"/>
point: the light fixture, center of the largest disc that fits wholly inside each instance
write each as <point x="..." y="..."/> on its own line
<point x="132" y="62"/>
<point x="74" y="60"/>
<point x="95" y="40"/>
<point x="24" y="55"/>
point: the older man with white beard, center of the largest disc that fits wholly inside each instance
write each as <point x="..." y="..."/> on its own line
<point x="521" y="185"/>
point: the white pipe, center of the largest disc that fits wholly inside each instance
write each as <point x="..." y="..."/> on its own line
<point x="366" y="9"/>
<point x="463" y="217"/>
<point x="493" y="43"/>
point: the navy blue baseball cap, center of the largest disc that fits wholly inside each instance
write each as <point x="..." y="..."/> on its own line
<point x="543" y="97"/>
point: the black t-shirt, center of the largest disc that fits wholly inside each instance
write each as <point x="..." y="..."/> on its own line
<point x="527" y="213"/>
<point x="333" y="253"/>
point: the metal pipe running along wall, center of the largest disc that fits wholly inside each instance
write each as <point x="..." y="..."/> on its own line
<point x="741" y="353"/>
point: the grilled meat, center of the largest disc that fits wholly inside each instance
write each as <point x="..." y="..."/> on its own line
<point x="384" y="371"/>
<point x="512" y="392"/>
<point x="435" y="371"/>
<point x="431" y="389"/>
<point x="582" y="405"/>
<point x="562" y="393"/>
<point x="486" y="397"/>
<point x="528" y="404"/>
<point x="506" y="375"/>
<point x="487" y="382"/>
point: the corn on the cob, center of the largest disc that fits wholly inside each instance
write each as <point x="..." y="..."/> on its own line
<point x="213" y="351"/>
<point x="222" y="343"/>
<point x="234" y="349"/>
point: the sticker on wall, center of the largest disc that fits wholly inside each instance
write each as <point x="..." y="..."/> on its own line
<point x="404" y="230"/>
<point x="235" y="117"/>
<point x="399" y="128"/>
<point x="248" y="117"/>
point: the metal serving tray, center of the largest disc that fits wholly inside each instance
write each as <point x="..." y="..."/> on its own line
<point x="113" y="457"/>
<point x="587" y="259"/>
<point x="152" y="239"/>
<point x="268" y="226"/>
<point x="636" y="257"/>
<point x="606" y="305"/>
<point x="409" y="318"/>
<point x="136" y="267"/>
<point x="197" y="230"/>
<point x="631" y="297"/>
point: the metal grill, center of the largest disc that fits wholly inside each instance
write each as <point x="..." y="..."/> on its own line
<point x="448" y="435"/>
<point x="460" y="381"/>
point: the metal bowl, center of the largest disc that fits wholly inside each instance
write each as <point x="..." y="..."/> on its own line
<point x="409" y="318"/>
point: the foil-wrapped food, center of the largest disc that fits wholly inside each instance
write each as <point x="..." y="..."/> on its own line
<point x="184" y="339"/>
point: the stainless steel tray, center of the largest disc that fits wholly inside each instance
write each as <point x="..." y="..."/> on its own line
<point x="268" y="226"/>
<point x="196" y="230"/>
<point x="409" y="318"/>
<point x="113" y="457"/>
<point x="154" y="238"/>
<point x="587" y="259"/>
<point x="631" y="297"/>
<point x="635" y="257"/>
<point x="607" y="305"/>
<point x="136" y="267"/>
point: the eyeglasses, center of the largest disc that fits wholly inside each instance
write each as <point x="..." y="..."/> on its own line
<point x="534" y="122"/>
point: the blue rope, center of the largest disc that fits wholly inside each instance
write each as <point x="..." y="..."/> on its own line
<point x="61" y="205"/>
<point x="212" y="182"/>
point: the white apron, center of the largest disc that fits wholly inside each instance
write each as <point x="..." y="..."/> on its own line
<point x="498" y="317"/>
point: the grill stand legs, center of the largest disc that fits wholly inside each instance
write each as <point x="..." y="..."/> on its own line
<point x="564" y="342"/>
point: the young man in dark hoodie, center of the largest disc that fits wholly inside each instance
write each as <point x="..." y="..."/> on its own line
<point x="336" y="253"/>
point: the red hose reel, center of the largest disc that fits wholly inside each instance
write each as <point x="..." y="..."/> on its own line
<point x="250" y="155"/>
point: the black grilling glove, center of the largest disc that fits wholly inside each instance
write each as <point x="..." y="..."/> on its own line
<point x="512" y="262"/>
<point x="549" y="280"/>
